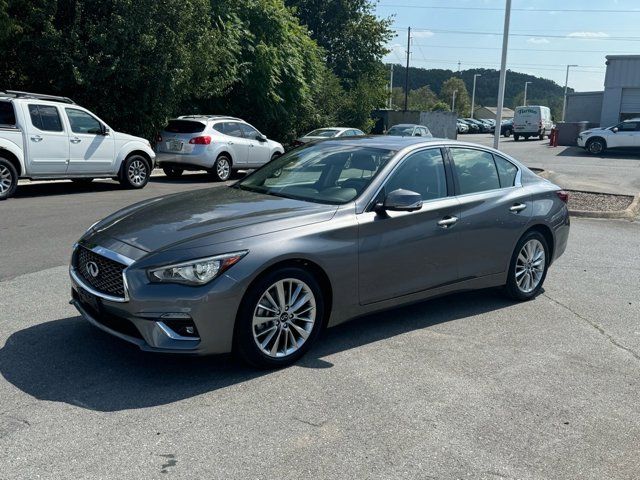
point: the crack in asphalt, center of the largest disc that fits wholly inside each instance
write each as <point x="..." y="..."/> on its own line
<point x="596" y="327"/>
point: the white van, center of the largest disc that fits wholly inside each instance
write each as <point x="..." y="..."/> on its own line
<point x="532" y="121"/>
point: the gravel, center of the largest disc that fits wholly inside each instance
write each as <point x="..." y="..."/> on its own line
<point x="599" y="202"/>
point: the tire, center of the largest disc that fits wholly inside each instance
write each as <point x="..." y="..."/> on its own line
<point x="82" y="181"/>
<point x="278" y="172"/>
<point x="507" y="133"/>
<point x="135" y="172"/>
<point x="221" y="170"/>
<point x="528" y="265"/>
<point x="8" y="179"/>
<point x="516" y="137"/>
<point x="542" y="135"/>
<point x="172" y="172"/>
<point x="596" y="146"/>
<point x="276" y="350"/>
<point x="526" y="137"/>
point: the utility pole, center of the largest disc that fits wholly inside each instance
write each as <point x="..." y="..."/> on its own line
<point x="459" y="63"/>
<point x="391" y="88"/>
<point x="526" y="84"/>
<point x="566" y="84"/>
<point x="503" y="73"/>
<point x="473" y="94"/>
<point x="406" y="72"/>
<point x="453" y="101"/>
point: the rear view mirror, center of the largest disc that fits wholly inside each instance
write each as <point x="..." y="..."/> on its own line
<point x="402" y="201"/>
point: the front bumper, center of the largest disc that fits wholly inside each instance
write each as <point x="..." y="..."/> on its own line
<point x="163" y="317"/>
<point x="581" y="141"/>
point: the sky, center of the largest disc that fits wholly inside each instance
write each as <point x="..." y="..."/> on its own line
<point x="545" y="35"/>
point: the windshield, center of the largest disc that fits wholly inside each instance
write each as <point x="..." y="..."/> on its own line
<point x="321" y="173"/>
<point x="400" y="131"/>
<point x="322" y="132"/>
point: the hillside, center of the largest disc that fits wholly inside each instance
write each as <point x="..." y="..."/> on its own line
<point x="540" y="92"/>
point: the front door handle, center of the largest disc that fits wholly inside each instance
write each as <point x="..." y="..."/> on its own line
<point x="75" y="140"/>
<point x="448" y="221"/>
<point x="36" y="138"/>
<point x="517" y="207"/>
<point x="230" y="143"/>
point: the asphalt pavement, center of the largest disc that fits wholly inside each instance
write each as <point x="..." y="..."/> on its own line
<point x="467" y="386"/>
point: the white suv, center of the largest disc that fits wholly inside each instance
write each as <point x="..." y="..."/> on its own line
<point x="49" y="138"/>
<point x="623" y="135"/>
<point x="215" y="143"/>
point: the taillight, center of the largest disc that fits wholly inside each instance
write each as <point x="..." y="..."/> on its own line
<point x="562" y="195"/>
<point x="204" y="140"/>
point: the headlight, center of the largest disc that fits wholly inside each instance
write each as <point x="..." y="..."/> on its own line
<point x="196" y="272"/>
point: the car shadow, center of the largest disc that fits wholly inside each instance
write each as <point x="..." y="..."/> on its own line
<point x="30" y="190"/>
<point x="69" y="361"/>
<point x="621" y="154"/>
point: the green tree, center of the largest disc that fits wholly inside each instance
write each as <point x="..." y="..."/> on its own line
<point x="455" y="84"/>
<point x="440" y="106"/>
<point x="422" y="99"/>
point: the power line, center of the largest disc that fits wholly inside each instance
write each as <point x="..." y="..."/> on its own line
<point x="537" y="34"/>
<point x="492" y="9"/>
<point x="612" y="52"/>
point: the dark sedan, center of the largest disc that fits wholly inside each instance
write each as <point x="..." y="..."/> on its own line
<point x="324" y="233"/>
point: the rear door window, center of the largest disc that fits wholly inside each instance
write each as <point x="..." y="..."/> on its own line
<point x="45" y="118"/>
<point x="475" y="169"/>
<point x="232" y="129"/>
<point x="507" y="171"/>
<point x="7" y="114"/>
<point x="184" y="126"/>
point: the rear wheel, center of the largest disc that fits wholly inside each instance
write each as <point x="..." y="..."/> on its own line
<point x="172" y="172"/>
<point x="516" y="137"/>
<point x="222" y="168"/>
<point x="279" y="318"/>
<point x="8" y="179"/>
<point x="135" y="172"/>
<point x="596" y="146"/>
<point x="528" y="267"/>
<point x="507" y="133"/>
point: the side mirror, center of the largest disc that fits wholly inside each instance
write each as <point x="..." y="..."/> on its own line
<point x="615" y="130"/>
<point x="105" y="130"/>
<point x="402" y="201"/>
<point x="261" y="138"/>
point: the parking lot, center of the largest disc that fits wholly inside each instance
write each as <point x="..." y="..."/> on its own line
<point x="466" y="386"/>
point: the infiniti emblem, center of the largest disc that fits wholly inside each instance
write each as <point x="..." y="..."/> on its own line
<point x="92" y="269"/>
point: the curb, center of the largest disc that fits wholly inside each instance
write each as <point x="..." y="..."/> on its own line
<point x="629" y="213"/>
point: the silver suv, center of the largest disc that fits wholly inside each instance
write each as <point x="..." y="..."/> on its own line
<point x="214" y="143"/>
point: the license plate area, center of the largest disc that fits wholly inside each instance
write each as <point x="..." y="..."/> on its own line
<point x="89" y="300"/>
<point x="175" y="145"/>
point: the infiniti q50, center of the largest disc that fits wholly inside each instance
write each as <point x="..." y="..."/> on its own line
<point x="327" y="232"/>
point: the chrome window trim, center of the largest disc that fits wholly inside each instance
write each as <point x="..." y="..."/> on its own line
<point x="110" y="254"/>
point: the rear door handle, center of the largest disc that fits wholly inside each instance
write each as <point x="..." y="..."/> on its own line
<point x="75" y="140"/>
<point x="36" y="138"/>
<point x="517" y="207"/>
<point x="448" y="221"/>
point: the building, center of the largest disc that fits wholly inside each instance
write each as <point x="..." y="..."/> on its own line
<point x="620" y="99"/>
<point x="491" y="113"/>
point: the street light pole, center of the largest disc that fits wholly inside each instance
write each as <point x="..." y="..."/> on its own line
<point x="473" y="94"/>
<point x="526" y="84"/>
<point x="453" y="101"/>
<point x="503" y="73"/>
<point x="391" y="88"/>
<point x="406" y="72"/>
<point x="566" y="84"/>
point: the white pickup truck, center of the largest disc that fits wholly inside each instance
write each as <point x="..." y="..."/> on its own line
<point x="50" y="138"/>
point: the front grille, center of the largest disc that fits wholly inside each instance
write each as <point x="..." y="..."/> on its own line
<point x="108" y="273"/>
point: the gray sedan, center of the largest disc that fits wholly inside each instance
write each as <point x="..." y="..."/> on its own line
<point x="320" y="235"/>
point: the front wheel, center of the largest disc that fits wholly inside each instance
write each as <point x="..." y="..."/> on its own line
<point x="528" y="267"/>
<point x="135" y="172"/>
<point x="279" y="318"/>
<point x="8" y="179"/>
<point x="596" y="146"/>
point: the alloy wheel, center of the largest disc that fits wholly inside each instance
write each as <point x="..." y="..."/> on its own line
<point x="530" y="266"/>
<point x="6" y="179"/>
<point x="222" y="168"/>
<point x="595" y="147"/>
<point x="284" y="317"/>
<point x="137" y="172"/>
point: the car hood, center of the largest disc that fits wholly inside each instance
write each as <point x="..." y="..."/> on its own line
<point x="594" y="130"/>
<point x="206" y="217"/>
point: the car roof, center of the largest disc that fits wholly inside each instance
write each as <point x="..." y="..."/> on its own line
<point x="19" y="95"/>
<point x="395" y="143"/>
<point x="407" y="125"/>
<point x="207" y="117"/>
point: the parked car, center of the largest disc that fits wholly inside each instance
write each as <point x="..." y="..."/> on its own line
<point x="532" y="121"/>
<point x="490" y="126"/>
<point x="506" y="129"/>
<point x="472" y="126"/>
<point x="215" y="143"/>
<point x="349" y="227"/>
<point x="482" y="127"/>
<point x="409" y="130"/>
<point x="43" y="137"/>
<point x="462" y="127"/>
<point x="329" y="132"/>
<point x="623" y="135"/>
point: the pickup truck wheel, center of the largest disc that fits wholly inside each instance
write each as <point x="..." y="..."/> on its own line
<point x="172" y="172"/>
<point x="135" y="172"/>
<point x="8" y="179"/>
